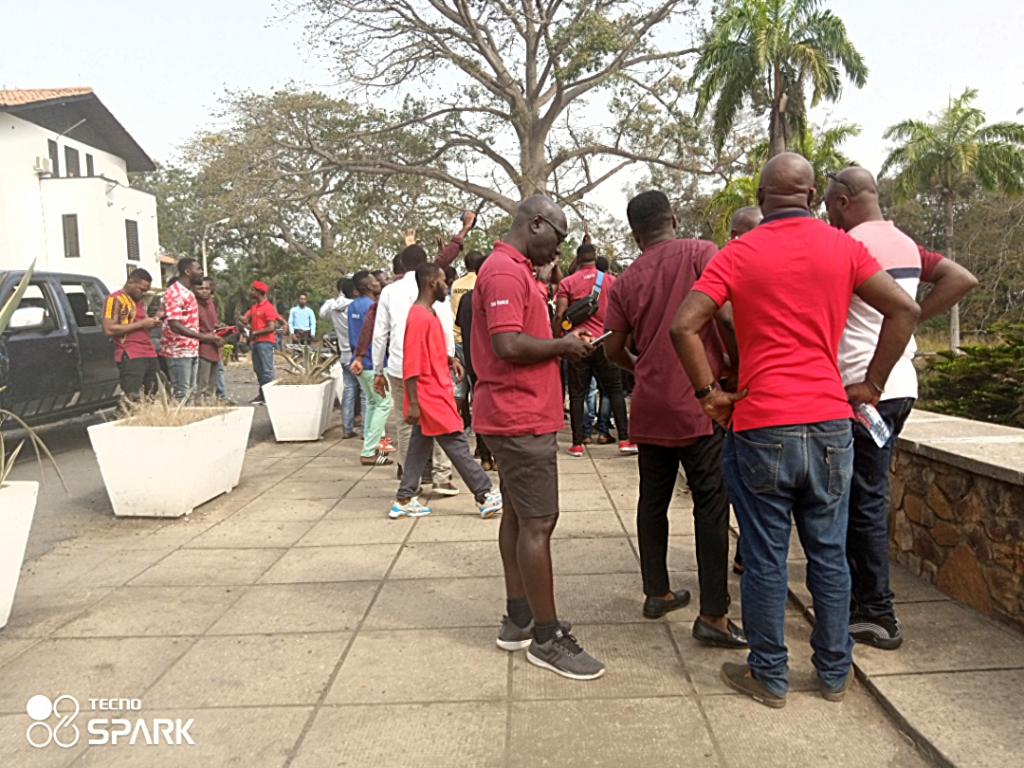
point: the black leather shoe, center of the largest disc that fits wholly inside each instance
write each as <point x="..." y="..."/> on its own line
<point x="656" y="607"/>
<point x="709" y="635"/>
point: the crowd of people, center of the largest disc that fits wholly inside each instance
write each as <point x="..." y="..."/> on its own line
<point x="758" y="368"/>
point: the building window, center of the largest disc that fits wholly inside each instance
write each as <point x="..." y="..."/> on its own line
<point x="54" y="157"/>
<point x="90" y="169"/>
<point x="131" y="232"/>
<point x="71" y="166"/>
<point x="71" y="236"/>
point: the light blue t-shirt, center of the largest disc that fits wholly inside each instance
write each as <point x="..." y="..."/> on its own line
<point x="302" y="319"/>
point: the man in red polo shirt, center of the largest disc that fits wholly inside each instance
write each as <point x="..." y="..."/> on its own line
<point x="125" y="321"/>
<point x="429" y="402"/>
<point x="519" y="412"/>
<point x="263" y="321"/>
<point x="788" y="456"/>
<point x="571" y="289"/>
<point x="668" y="423"/>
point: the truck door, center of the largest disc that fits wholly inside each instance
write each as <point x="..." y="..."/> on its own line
<point x="95" y="350"/>
<point x="42" y="354"/>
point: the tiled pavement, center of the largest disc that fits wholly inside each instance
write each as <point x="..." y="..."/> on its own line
<point x="298" y="626"/>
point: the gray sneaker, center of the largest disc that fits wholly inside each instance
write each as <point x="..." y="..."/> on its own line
<point x="512" y="637"/>
<point x="563" y="655"/>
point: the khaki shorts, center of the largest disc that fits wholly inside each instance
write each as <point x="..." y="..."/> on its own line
<point x="528" y="469"/>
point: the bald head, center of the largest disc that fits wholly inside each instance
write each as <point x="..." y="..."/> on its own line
<point x="538" y="229"/>
<point x="787" y="181"/>
<point x="744" y="220"/>
<point x="851" y="198"/>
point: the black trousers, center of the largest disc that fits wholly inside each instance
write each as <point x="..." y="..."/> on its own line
<point x="659" y="467"/>
<point x="138" y="375"/>
<point x="867" y="534"/>
<point x="609" y="376"/>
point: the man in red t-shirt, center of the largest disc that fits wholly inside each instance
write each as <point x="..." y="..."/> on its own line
<point x="263" y="321"/>
<point x="668" y="423"/>
<point x="125" y="321"/>
<point x="429" y="403"/>
<point x="789" y="453"/>
<point x="571" y="289"/>
<point x="518" y="410"/>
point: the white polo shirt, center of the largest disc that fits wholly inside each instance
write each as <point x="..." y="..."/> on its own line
<point x="899" y="256"/>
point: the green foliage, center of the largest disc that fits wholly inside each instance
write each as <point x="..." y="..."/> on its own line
<point x="985" y="384"/>
<point x="310" y="366"/>
<point x="955" y="149"/>
<point x="12" y="302"/>
<point x="821" y="147"/>
<point x="768" y="52"/>
<point x="7" y="459"/>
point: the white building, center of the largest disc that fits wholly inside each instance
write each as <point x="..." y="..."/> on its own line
<point x="65" y="200"/>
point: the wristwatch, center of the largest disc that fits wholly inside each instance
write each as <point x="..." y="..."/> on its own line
<point x="700" y="394"/>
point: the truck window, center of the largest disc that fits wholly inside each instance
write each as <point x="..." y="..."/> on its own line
<point x="86" y="302"/>
<point x="34" y="312"/>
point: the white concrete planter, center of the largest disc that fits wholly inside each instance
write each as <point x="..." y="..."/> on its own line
<point x="17" y="506"/>
<point x="138" y="463"/>
<point x="299" y="411"/>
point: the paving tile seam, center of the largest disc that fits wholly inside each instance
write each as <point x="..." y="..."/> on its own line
<point x="509" y="686"/>
<point x="318" y="706"/>
<point x="925" y="672"/>
<point x="34" y="642"/>
<point x="902" y="723"/>
<point x="680" y="659"/>
<point x="73" y="618"/>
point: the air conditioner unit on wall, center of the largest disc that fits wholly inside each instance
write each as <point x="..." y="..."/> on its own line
<point x="43" y="165"/>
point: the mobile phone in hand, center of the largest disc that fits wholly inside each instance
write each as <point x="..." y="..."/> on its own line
<point x="600" y="338"/>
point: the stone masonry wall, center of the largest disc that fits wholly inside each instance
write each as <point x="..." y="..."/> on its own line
<point x="961" y="531"/>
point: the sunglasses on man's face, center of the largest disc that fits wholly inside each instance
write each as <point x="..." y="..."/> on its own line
<point x="562" y="234"/>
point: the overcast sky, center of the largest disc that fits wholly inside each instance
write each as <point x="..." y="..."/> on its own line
<point x="161" y="65"/>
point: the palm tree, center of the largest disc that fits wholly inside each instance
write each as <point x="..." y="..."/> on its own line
<point x="947" y="155"/>
<point x="820" y="147"/>
<point x="769" y="51"/>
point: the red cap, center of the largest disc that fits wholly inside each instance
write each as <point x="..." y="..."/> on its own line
<point x="260" y="286"/>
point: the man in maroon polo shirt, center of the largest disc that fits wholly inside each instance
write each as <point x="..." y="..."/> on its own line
<point x="579" y="285"/>
<point x="125" y="321"/>
<point x="209" y="354"/>
<point x="668" y="423"/>
<point x="518" y="409"/>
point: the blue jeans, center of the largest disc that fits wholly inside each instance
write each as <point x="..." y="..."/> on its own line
<point x="349" y="393"/>
<point x="222" y="391"/>
<point x="771" y="474"/>
<point x="867" y="539"/>
<point x="263" y="362"/>
<point x="183" y="373"/>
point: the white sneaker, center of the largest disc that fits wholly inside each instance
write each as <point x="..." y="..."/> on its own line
<point x="490" y="505"/>
<point x="412" y="508"/>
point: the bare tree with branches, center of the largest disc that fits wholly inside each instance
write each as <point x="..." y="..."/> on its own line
<point x="522" y="73"/>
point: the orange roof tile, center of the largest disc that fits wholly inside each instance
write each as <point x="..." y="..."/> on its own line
<point x="16" y="98"/>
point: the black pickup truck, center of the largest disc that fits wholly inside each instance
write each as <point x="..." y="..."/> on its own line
<point x="55" y="361"/>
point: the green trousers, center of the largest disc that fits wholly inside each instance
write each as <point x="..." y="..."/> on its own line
<point x="376" y="417"/>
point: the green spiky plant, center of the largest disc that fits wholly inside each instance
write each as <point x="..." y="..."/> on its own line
<point x="311" y="367"/>
<point x="7" y="459"/>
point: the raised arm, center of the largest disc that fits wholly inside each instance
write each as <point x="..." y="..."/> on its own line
<point x="950" y="283"/>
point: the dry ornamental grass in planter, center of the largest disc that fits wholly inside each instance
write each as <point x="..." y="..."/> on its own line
<point x="207" y="440"/>
<point x="300" y="398"/>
